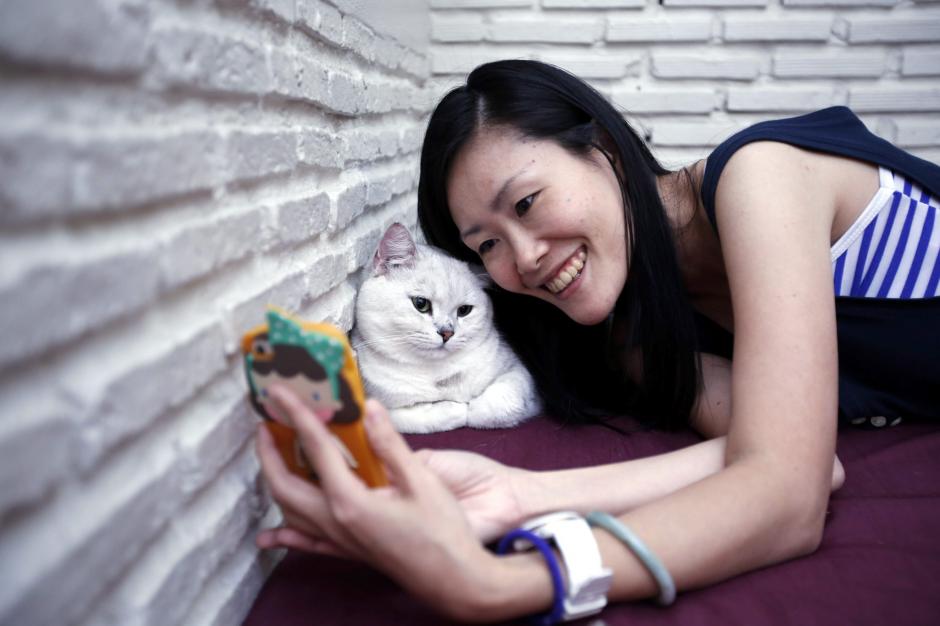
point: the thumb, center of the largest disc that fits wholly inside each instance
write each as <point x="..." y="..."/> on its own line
<point x="388" y="444"/>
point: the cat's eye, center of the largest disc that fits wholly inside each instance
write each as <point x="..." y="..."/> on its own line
<point x="485" y="246"/>
<point x="464" y="310"/>
<point x="523" y="206"/>
<point x="422" y="304"/>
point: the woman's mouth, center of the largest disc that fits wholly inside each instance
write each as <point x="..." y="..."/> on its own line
<point x="568" y="273"/>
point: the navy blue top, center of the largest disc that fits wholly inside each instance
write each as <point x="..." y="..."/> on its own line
<point x="889" y="349"/>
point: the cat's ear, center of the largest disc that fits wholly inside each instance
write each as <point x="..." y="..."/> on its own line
<point x="396" y="249"/>
<point x="479" y="273"/>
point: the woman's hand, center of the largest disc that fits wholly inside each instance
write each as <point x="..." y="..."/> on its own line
<point x="487" y="490"/>
<point x="414" y="530"/>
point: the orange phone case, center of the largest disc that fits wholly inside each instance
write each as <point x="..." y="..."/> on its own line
<point x="316" y="361"/>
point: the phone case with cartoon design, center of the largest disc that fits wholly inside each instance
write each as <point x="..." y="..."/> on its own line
<point x="316" y="362"/>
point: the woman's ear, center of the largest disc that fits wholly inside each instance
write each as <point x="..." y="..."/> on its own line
<point x="396" y="249"/>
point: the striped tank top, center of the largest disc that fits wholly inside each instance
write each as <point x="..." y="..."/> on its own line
<point x="892" y="249"/>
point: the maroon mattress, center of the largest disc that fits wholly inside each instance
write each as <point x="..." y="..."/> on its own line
<point x="879" y="562"/>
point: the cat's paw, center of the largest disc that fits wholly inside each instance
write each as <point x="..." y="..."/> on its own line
<point x="430" y="417"/>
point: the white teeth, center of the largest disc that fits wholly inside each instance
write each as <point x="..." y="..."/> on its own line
<point x="567" y="273"/>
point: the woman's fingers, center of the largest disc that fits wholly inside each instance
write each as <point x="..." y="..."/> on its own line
<point x="285" y="486"/>
<point x="388" y="444"/>
<point x="335" y="475"/>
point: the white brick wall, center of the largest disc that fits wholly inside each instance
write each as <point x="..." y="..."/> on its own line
<point x="167" y="169"/>
<point x="689" y="71"/>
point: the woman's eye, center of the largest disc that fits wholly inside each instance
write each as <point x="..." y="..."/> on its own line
<point x="422" y="304"/>
<point x="464" y="310"/>
<point x="485" y="246"/>
<point x="264" y="393"/>
<point x="316" y="396"/>
<point x="523" y="206"/>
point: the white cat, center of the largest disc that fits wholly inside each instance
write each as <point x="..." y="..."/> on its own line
<point x="427" y="347"/>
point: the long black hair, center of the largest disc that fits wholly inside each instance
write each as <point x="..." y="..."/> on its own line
<point x="578" y="369"/>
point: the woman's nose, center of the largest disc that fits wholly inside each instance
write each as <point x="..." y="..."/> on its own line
<point x="529" y="252"/>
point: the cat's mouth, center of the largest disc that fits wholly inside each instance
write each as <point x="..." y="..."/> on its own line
<point x="568" y="273"/>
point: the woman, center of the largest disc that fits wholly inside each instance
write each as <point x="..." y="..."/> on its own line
<point x="530" y="171"/>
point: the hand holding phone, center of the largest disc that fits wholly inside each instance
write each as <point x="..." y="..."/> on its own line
<point x="316" y="362"/>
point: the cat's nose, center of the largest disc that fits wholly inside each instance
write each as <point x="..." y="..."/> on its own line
<point x="445" y="334"/>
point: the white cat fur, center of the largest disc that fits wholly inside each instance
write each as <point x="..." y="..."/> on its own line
<point x="473" y="379"/>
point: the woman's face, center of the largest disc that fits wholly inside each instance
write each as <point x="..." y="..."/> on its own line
<point x="545" y="222"/>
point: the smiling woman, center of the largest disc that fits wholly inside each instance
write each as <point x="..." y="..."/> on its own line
<point x="526" y="169"/>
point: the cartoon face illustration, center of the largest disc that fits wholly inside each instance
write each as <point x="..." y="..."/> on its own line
<point x="317" y="395"/>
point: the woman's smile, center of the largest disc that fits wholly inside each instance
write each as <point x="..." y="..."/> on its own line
<point x="566" y="276"/>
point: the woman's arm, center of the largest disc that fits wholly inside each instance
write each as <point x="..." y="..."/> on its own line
<point x="768" y="503"/>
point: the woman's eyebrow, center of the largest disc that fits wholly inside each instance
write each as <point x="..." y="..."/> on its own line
<point x="497" y="200"/>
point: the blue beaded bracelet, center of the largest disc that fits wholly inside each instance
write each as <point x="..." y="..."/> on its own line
<point x="558" y="604"/>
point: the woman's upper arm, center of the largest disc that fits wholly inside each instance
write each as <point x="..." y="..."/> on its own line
<point x="774" y="217"/>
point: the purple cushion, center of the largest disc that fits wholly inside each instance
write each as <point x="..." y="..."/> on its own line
<point x="879" y="562"/>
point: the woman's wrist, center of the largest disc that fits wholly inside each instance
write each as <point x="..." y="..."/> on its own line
<point x="510" y="586"/>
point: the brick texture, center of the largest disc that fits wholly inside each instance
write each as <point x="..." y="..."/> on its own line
<point x="170" y="169"/>
<point x="714" y="63"/>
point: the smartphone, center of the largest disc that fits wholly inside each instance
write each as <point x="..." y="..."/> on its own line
<point x="316" y="361"/>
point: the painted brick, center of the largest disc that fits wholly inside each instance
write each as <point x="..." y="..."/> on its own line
<point x="781" y="29"/>
<point x="718" y="4"/>
<point x="231" y="588"/>
<point x="593" y="4"/>
<point x="691" y="133"/>
<point x="926" y="28"/>
<point x="33" y="426"/>
<point x="344" y="92"/>
<point x="840" y="3"/>
<point x="334" y="306"/>
<point x="209" y="61"/>
<point x="29" y="192"/>
<point x="134" y="495"/>
<point x="462" y="61"/>
<point x="304" y="219"/>
<point x="106" y="174"/>
<point x="456" y="30"/>
<point x="321" y="20"/>
<point x="675" y="66"/>
<point x="286" y="291"/>
<point x="479" y="4"/>
<point x="869" y="99"/>
<point x="846" y="65"/>
<point x="411" y="140"/>
<point x="368" y="145"/>
<point x="595" y="65"/>
<point x="659" y="30"/>
<point x="545" y="30"/>
<point x="350" y="203"/>
<point x="169" y="575"/>
<point x="252" y="155"/>
<point x="790" y="100"/>
<point x="198" y="249"/>
<point x="283" y="10"/>
<point x="921" y="62"/>
<point x="917" y="134"/>
<point x="124" y="172"/>
<point x="97" y="289"/>
<point x="126" y="393"/>
<point x="319" y="148"/>
<point x="666" y="101"/>
<point x="103" y="36"/>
